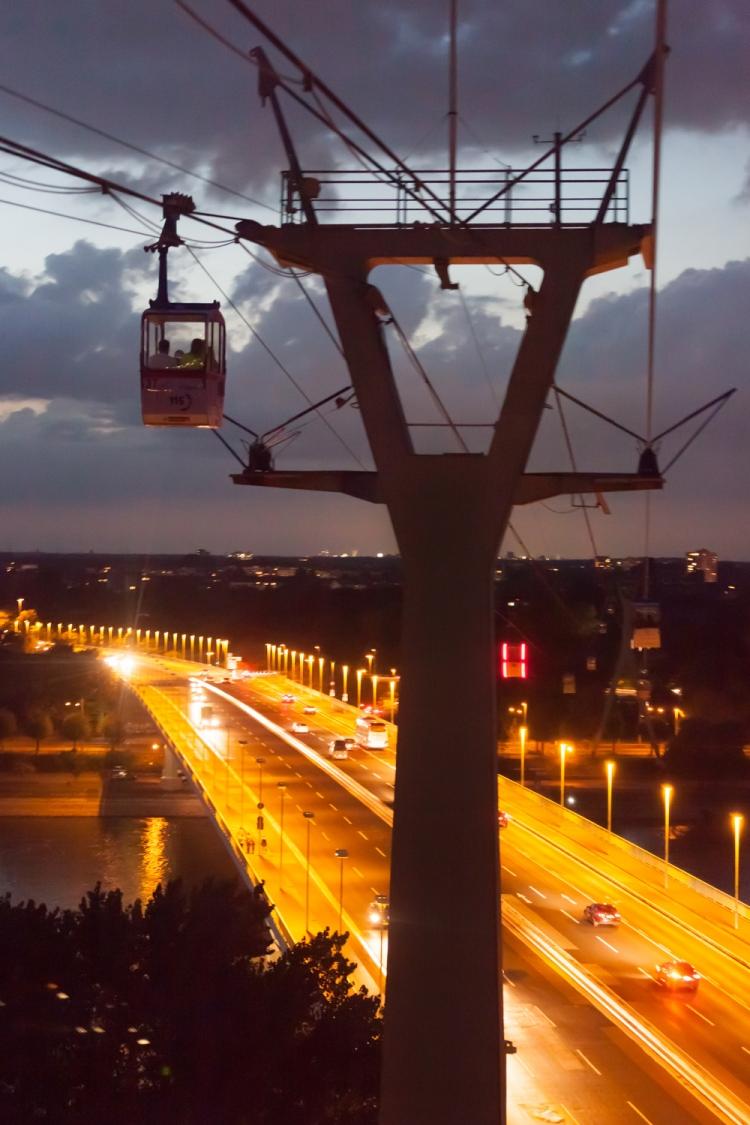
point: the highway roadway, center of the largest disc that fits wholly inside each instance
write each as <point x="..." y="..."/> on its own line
<point x="546" y="884"/>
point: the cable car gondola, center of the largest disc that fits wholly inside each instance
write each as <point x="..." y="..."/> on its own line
<point x="183" y="346"/>
<point x="646" y="622"/>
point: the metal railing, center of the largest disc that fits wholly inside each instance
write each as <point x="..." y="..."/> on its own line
<point x="543" y="197"/>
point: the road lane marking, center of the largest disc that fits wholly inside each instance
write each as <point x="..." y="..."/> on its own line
<point x="512" y="873"/>
<point x="298" y="806"/>
<point x="544" y="1015"/>
<point x="588" y="1061"/>
<point x="332" y="807"/>
<point x="524" y="898"/>
<point x="692" y="1009"/>
<point x="645" y="973"/>
<point x="325" y="834"/>
<point x="317" y="794"/>
<point x="357" y="871"/>
<point x="640" y="1113"/>
<point x="746" y="1050"/>
<point x="572" y="1116"/>
<point x="375" y="891"/>
<point x="536" y="892"/>
<point x="567" y="915"/>
<point x="307" y="783"/>
<point x="567" y="898"/>
<point x="507" y="980"/>
<point x="346" y="818"/>
<point x="361" y="833"/>
<point x="607" y="943"/>
<point x="380" y="852"/>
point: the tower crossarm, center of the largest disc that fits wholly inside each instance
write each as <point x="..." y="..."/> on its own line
<point x="333" y="249"/>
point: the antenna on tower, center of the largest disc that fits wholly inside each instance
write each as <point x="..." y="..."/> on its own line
<point x="453" y="109"/>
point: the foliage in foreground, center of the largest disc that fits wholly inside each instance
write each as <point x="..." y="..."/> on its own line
<point x="171" y="1014"/>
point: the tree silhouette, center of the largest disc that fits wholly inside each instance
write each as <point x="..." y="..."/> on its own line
<point x="38" y="726"/>
<point x="8" y="725"/>
<point x="173" y="1014"/>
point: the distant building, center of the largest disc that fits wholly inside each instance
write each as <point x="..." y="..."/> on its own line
<point x="703" y="562"/>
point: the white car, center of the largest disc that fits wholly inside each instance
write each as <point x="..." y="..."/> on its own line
<point x="300" y="728"/>
<point x="338" y="750"/>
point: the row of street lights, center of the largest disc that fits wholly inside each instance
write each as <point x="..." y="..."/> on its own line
<point x="341" y="853"/>
<point x="302" y="666"/>
<point x="736" y="820"/>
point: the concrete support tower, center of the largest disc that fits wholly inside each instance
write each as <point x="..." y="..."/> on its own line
<point x="444" y="1045"/>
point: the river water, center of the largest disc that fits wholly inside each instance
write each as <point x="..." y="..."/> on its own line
<point x="57" y="859"/>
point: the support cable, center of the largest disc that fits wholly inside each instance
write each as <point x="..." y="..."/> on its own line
<point x="420" y="369"/>
<point x="661" y="27"/>
<point x="311" y="80"/>
<point x="226" y="445"/>
<point x="133" y="148"/>
<point x="574" y="467"/>
<point x="479" y="351"/>
<point x="699" y="431"/>
<point x="75" y="218"/>
<point x="326" y="327"/>
<point x="274" y="357"/>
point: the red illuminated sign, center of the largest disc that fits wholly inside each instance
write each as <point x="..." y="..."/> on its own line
<point x="513" y="662"/>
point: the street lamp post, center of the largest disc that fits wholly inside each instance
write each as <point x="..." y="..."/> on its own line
<point x="341" y="854"/>
<point x="666" y="792"/>
<point x="678" y="714"/>
<point x="360" y="674"/>
<point x="321" y="662"/>
<point x="610" y="768"/>
<point x="345" y="676"/>
<point x="260" y="762"/>
<point x="392" y="686"/>
<point x="737" y="822"/>
<point x="375" y="691"/>
<point x="522" y="735"/>
<point x="282" y="791"/>
<point x="310" y="662"/>
<point x="309" y="817"/>
<point x="242" y="743"/>
<point x="565" y="749"/>
<point x="525" y="714"/>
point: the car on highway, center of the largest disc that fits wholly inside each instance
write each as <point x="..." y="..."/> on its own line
<point x="308" y="709"/>
<point x="601" y="914"/>
<point x="338" y="750"/>
<point x="119" y="773"/>
<point x="300" y="728"/>
<point x="677" y="976"/>
<point x="503" y="819"/>
<point x="378" y="912"/>
<point x="350" y="743"/>
<point x="287" y="698"/>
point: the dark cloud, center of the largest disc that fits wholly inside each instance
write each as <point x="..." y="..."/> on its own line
<point x="145" y="71"/>
<point x="148" y="73"/>
<point x="73" y="342"/>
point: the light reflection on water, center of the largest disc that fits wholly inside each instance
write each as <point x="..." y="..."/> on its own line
<point x="154" y="866"/>
<point x="57" y="859"/>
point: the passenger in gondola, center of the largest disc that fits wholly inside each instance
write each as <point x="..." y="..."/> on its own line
<point x="161" y="357"/>
<point x="196" y="357"/>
